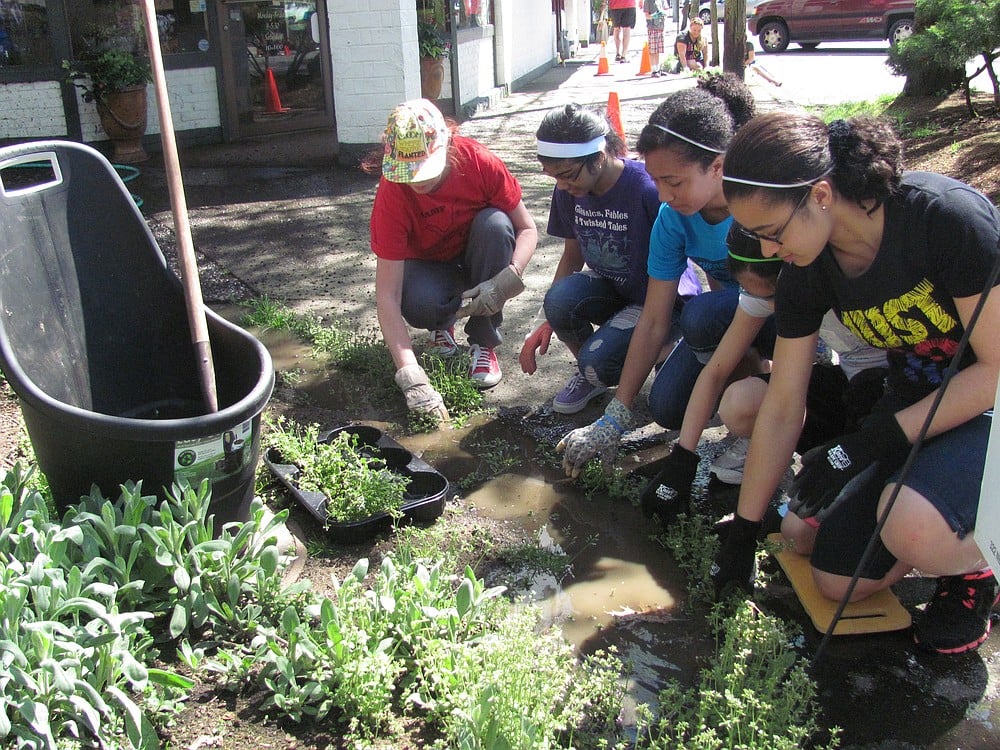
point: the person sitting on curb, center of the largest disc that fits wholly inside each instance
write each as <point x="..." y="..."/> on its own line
<point x="750" y="63"/>
<point x="452" y="237"/>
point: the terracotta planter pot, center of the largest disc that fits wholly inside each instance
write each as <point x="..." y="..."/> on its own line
<point x="431" y="77"/>
<point x="123" y="117"/>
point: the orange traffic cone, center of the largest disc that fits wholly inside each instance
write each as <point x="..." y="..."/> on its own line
<point x="602" y="62"/>
<point x="615" y="114"/>
<point x="645" y="64"/>
<point x="272" y="103"/>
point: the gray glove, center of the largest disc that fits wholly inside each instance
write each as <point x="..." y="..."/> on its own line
<point x="419" y="393"/>
<point x="598" y="439"/>
<point x="488" y="297"/>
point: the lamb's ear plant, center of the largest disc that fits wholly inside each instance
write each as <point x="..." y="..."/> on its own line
<point x="75" y="652"/>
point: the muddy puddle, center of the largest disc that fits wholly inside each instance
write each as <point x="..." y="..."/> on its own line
<point x="624" y="590"/>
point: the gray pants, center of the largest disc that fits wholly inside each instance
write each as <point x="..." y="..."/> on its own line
<point x="432" y="290"/>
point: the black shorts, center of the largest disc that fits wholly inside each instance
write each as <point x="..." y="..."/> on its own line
<point x="622" y="17"/>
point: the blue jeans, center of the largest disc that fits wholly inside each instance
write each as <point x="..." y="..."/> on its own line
<point x="574" y="305"/>
<point x="432" y="290"/>
<point x="703" y="322"/>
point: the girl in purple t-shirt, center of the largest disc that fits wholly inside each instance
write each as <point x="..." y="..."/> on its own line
<point x="603" y="206"/>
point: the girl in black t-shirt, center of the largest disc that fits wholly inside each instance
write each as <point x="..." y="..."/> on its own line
<point x="903" y="259"/>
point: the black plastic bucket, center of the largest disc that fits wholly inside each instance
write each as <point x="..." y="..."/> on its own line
<point x="94" y="340"/>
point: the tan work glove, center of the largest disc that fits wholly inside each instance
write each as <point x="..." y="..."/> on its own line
<point x="488" y="297"/>
<point x="419" y="393"/>
<point x="599" y="439"/>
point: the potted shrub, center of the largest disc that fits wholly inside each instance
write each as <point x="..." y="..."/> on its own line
<point x="115" y="79"/>
<point x="433" y="50"/>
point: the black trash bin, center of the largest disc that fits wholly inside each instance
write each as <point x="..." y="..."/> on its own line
<point x="95" y="341"/>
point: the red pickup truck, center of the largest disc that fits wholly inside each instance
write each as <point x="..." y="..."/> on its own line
<point x="809" y="22"/>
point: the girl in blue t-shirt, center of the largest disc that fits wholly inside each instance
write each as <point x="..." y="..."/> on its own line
<point x="603" y="206"/>
<point x="683" y="146"/>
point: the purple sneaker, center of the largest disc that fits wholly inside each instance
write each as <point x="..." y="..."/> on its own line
<point x="576" y="394"/>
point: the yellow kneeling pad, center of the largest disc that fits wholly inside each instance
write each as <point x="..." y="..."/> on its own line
<point x="878" y="613"/>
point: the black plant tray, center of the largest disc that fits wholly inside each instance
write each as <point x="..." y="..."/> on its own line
<point x="423" y="501"/>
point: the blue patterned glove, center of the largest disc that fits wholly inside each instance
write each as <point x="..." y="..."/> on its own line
<point x="598" y="439"/>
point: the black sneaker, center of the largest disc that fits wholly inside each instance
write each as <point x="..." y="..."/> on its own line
<point x="957" y="619"/>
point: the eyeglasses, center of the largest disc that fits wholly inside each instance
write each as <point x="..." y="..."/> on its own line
<point x="575" y="176"/>
<point x="776" y="237"/>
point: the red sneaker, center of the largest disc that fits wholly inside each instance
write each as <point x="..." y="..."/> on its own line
<point x="485" y="368"/>
<point x="443" y="343"/>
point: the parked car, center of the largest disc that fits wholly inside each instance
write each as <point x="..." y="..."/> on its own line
<point x="809" y="22"/>
<point x="705" y="9"/>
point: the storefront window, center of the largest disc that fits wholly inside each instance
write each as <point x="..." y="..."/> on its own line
<point x="471" y="13"/>
<point x="182" y="26"/>
<point x="24" y="33"/>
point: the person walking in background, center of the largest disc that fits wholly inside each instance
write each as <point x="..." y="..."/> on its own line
<point x="691" y="48"/>
<point x="656" y="17"/>
<point x="452" y="237"/>
<point x="905" y="260"/>
<point x="682" y="145"/>
<point x="603" y="206"/>
<point x="622" y="21"/>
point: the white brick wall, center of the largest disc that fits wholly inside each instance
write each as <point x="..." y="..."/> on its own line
<point x="194" y="103"/>
<point x="31" y="110"/>
<point x="530" y="37"/>
<point x="375" y="65"/>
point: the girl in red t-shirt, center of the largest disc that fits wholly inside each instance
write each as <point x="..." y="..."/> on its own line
<point x="452" y="237"/>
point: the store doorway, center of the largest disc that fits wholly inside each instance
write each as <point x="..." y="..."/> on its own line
<point x="275" y="66"/>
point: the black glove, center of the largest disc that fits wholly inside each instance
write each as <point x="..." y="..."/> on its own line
<point x="733" y="568"/>
<point x="829" y="471"/>
<point x="669" y="492"/>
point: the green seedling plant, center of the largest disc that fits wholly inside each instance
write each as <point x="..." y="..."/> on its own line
<point x="755" y="694"/>
<point x="450" y="377"/>
<point x="614" y="484"/>
<point x="356" y="483"/>
<point x="496" y="457"/>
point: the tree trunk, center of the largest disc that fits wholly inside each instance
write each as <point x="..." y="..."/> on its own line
<point x="933" y="80"/>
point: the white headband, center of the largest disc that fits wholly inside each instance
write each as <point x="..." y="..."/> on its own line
<point x="571" y="150"/>
<point x="675" y="134"/>
<point x="775" y="185"/>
